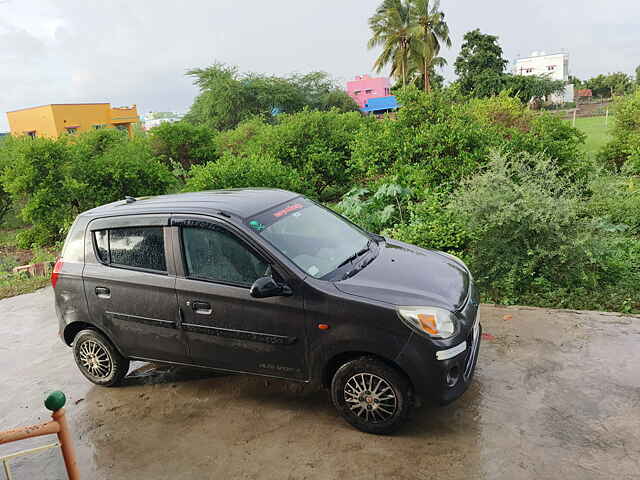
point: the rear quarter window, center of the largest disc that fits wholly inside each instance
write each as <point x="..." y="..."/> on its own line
<point x="73" y="250"/>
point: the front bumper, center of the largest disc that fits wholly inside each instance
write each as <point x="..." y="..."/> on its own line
<point x="442" y="373"/>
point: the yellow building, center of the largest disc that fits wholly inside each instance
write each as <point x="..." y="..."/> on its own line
<point x="53" y="120"/>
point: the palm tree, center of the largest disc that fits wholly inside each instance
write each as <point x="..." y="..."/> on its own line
<point x="392" y="25"/>
<point x="421" y="60"/>
<point x="430" y="30"/>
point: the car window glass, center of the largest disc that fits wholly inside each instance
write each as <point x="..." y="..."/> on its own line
<point x="314" y="238"/>
<point x="217" y="255"/>
<point x="74" y="244"/>
<point x="138" y="247"/>
<point x="102" y="245"/>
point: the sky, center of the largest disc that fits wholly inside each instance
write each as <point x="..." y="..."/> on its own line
<point x="137" y="52"/>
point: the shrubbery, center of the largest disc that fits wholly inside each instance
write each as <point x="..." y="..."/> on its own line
<point x="625" y="145"/>
<point x="506" y="189"/>
<point x="55" y="180"/>
<point x="450" y="139"/>
<point x="248" y="171"/>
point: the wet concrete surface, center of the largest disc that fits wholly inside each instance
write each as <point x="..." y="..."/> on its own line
<point x="556" y="395"/>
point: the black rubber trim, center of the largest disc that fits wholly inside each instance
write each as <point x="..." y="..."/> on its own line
<point x="155" y="322"/>
<point x="240" y="334"/>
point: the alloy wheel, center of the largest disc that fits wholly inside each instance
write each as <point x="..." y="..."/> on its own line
<point x="370" y="397"/>
<point x="95" y="358"/>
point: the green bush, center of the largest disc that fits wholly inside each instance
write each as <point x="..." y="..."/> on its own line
<point x="55" y="180"/>
<point x="431" y="224"/>
<point x="183" y="144"/>
<point x="36" y="176"/>
<point x="382" y="206"/>
<point x="105" y="166"/>
<point x="243" y="172"/>
<point x="615" y="200"/>
<point x="532" y="243"/>
<point x="451" y="139"/>
<point x="316" y="144"/>
<point x="625" y="144"/>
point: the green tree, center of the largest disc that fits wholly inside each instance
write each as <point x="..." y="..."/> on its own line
<point x="480" y="65"/>
<point x="391" y="26"/>
<point x="430" y="31"/>
<point x="526" y="87"/>
<point x="183" y="143"/>
<point x="228" y="97"/>
<point x="638" y="75"/>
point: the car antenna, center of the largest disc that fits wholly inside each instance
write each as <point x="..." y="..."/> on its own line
<point x="129" y="199"/>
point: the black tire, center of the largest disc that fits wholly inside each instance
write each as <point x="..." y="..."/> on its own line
<point x="98" y="359"/>
<point x="368" y="409"/>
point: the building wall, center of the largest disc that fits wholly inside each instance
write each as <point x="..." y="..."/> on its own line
<point x="554" y="66"/>
<point x="51" y="121"/>
<point x="38" y="119"/>
<point x="365" y="87"/>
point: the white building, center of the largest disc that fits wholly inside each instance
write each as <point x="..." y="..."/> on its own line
<point x="554" y="66"/>
<point x="152" y="119"/>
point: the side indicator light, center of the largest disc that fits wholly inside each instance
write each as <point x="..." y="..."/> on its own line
<point x="323" y="326"/>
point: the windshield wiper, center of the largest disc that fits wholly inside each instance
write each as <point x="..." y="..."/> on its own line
<point x="351" y="258"/>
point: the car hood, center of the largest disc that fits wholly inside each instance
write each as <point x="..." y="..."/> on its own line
<point x="404" y="274"/>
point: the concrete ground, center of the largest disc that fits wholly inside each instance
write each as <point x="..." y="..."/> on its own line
<point x="556" y="395"/>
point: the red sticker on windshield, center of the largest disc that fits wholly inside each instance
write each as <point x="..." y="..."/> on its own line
<point x="289" y="209"/>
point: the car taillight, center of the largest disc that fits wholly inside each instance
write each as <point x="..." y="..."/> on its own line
<point x="56" y="272"/>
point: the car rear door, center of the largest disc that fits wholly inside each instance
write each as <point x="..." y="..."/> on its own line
<point x="225" y="326"/>
<point x="129" y="282"/>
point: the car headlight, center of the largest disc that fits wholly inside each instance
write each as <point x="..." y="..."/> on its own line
<point x="435" y="322"/>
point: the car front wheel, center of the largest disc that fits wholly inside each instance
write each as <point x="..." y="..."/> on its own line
<point x="371" y="395"/>
<point x="98" y="359"/>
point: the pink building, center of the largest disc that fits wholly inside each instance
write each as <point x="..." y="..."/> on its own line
<point x="364" y="87"/>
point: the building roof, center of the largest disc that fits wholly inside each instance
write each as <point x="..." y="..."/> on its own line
<point x="380" y="103"/>
<point x="586" y="92"/>
<point x="240" y="202"/>
<point x="57" y="104"/>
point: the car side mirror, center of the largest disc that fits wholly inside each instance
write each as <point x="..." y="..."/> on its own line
<point x="267" y="287"/>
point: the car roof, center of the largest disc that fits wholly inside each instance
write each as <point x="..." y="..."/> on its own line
<point x="239" y="202"/>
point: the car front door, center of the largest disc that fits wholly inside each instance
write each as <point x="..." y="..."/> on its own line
<point x="129" y="282"/>
<point x="225" y="326"/>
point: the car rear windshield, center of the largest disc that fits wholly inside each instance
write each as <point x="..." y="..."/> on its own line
<point x="314" y="238"/>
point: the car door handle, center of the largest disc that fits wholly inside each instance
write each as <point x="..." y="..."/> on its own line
<point x="203" y="308"/>
<point x="103" y="292"/>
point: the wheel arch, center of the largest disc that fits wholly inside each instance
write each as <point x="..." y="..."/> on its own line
<point x="335" y="362"/>
<point x="71" y="331"/>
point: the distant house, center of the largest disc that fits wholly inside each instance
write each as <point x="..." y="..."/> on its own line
<point x="368" y="93"/>
<point x="554" y="66"/>
<point x="584" y="94"/>
<point x="55" y="119"/>
<point x="153" y="119"/>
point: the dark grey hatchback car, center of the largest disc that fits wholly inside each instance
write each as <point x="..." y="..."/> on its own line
<point x="267" y="282"/>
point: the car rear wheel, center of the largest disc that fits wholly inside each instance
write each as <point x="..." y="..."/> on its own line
<point x="371" y="395"/>
<point x="98" y="359"/>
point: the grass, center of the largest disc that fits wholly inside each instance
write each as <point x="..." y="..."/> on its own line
<point x="597" y="134"/>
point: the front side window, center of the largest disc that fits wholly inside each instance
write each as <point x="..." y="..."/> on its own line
<point x="216" y="255"/>
<point x="136" y="247"/>
<point x="314" y="238"/>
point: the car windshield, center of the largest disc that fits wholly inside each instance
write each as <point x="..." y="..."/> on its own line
<point x="314" y="238"/>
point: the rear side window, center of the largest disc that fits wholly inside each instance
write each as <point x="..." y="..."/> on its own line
<point x="135" y="247"/>
<point x="216" y="255"/>
<point x="73" y="250"/>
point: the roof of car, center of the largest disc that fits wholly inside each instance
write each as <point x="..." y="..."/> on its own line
<point x="241" y="202"/>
